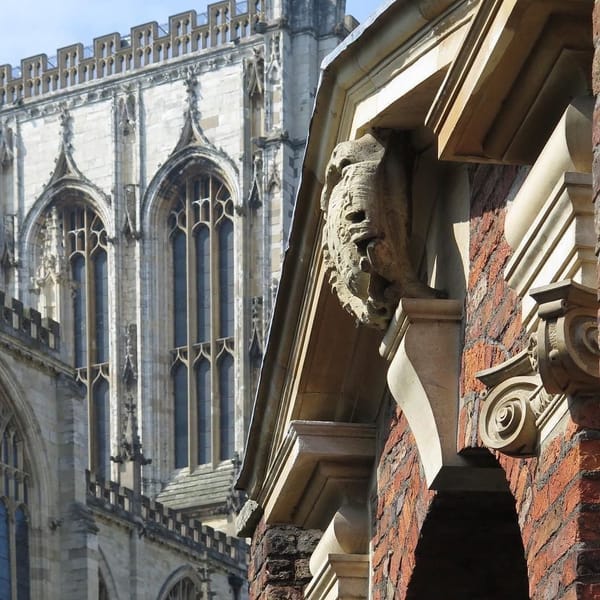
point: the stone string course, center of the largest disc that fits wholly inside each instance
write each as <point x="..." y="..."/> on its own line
<point x="148" y="44"/>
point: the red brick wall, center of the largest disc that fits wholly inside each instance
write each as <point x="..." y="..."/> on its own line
<point x="556" y="494"/>
<point x="492" y="314"/>
<point x="279" y="558"/>
<point x="401" y="502"/>
<point x="399" y="506"/>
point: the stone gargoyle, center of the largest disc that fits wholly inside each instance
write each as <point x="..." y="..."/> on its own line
<point x="366" y="201"/>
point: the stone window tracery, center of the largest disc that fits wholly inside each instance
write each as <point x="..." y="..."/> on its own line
<point x="14" y="514"/>
<point x="200" y="225"/>
<point x="185" y="589"/>
<point x="74" y="288"/>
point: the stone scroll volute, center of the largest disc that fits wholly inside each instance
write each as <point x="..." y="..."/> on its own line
<point x="366" y="201"/>
<point x="531" y="390"/>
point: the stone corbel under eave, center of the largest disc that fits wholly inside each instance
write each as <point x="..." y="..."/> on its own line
<point x="319" y="464"/>
<point x="423" y="345"/>
<point x="340" y="562"/>
<point x="528" y="393"/>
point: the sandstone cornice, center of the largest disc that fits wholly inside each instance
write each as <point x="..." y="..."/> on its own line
<point x="342" y="576"/>
<point x="319" y="461"/>
<point x="521" y="63"/>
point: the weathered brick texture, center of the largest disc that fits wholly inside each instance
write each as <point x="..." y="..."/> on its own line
<point x="399" y="506"/>
<point x="279" y="565"/>
<point x="493" y="326"/>
<point x="556" y="494"/>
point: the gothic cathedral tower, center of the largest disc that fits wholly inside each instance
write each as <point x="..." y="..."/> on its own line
<point x="146" y="190"/>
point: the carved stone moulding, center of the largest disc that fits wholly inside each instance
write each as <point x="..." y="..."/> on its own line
<point x="550" y="223"/>
<point x="567" y="338"/>
<point x="343" y="576"/>
<point x="319" y="465"/>
<point x="508" y="419"/>
<point x="528" y="393"/>
<point x="519" y="65"/>
<point x="423" y="345"/>
<point x="340" y="561"/>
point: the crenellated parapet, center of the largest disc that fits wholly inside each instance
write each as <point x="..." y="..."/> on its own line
<point x="148" y="44"/>
<point x="28" y="323"/>
<point x="161" y="523"/>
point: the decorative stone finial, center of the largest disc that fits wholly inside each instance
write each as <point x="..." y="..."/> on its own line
<point x="65" y="119"/>
<point x="130" y="363"/>
<point x="255" y="73"/>
<point x="126" y="114"/>
<point x="131" y="446"/>
<point x="366" y="237"/>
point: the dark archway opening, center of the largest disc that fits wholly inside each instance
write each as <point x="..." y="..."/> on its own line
<point x="470" y="547"/>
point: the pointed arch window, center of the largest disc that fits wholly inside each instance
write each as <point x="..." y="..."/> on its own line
<point x="86" y="245"/>
<point x="185" y="589"/>
<point x="14" y="514"/>
<point x="102" y="589"/>
<point x="75" y="262"/>
<point x="201" y="241"/>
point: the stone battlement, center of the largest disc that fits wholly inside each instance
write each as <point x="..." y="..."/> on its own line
<point x="27" y="323"/>
<point x="147" y="44"/>
<point x="156" y="519"/>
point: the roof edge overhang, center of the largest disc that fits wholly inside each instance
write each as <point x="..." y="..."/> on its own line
<point x="394" y="26"/>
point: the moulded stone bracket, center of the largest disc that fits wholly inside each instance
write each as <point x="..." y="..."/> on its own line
<point x="567" y="338"/>
<point x="423" y="345"/>
<point x="319" y="464"/>
<point x="340" y="562"/>
<point x="343" y="576"/>
<point x="528" y="392"/>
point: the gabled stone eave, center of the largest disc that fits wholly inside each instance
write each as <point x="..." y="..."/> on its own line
<point x="331" y="122"/>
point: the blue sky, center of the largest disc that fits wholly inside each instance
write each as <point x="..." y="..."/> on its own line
<point x="41" y="26"/>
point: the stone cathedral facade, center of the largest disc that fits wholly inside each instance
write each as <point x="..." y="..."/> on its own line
<point x="146" y="191"/>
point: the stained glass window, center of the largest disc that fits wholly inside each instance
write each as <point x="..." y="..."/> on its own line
<point x="85" y="315"/>
<point x="184" y="590"/>
<point x="14" y="520"/>
<point x="201" y="234"/>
